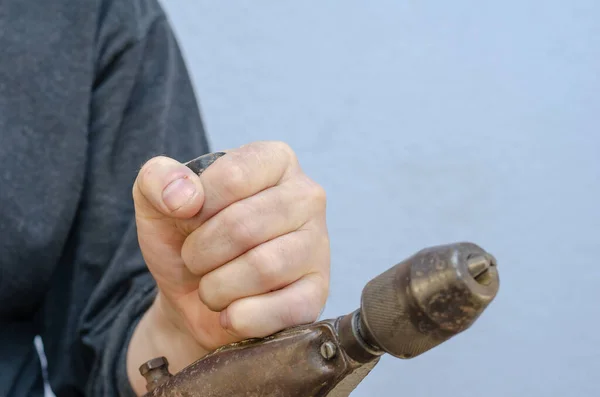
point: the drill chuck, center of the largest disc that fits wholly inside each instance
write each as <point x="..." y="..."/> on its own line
<point x="427" y="299"/>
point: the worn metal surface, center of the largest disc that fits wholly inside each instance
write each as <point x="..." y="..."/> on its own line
<point x="407" y="310"/>
<point x="288" y="364"/>
<point x="352" y="341"/>
<point x="352" y="380"/>
<point x="200" y="164"/>
<point x="428" y="298"/>
<point x="156" y="372"/>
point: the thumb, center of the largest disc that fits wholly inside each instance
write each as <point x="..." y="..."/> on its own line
<point x="165" y="190"/>
<point x="164" y="193"/>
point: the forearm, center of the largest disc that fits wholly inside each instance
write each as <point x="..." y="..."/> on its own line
<point x="155" y="336"/>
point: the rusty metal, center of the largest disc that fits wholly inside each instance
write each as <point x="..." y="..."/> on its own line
<point x="156" y="372"/>
<point x="423" y="301"/>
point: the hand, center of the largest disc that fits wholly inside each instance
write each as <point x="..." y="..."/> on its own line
<point x="241" y="251"/>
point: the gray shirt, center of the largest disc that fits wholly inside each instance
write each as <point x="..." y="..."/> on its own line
<point x="89" y="90"/>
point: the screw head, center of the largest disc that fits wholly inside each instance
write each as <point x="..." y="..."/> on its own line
<point x="158" y="362"/>
<point x="328" y="350"/>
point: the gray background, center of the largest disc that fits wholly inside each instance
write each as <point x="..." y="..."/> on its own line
<point x="427" y="123"/>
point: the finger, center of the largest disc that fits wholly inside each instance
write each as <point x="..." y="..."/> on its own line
<point x="250" y="222"/>
<point x="260" y="316"/>
<point x="242" y="173"/>
<point x="268" y="267"/>
<point x="165" y="187"/>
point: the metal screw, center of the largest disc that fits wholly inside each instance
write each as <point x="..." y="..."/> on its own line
<point x="156" y="372"/>
<point x="328" y="350"/>
<point x="155" y="363"/>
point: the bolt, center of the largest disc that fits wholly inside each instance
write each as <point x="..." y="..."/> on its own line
<point x="156" y="372"/>
<point x="328" y="350"/>
<point x="158" y="362"/>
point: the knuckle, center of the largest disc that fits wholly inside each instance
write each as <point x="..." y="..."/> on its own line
<point x="312" y="192"/>
<point x="283" y="150"/>
<point x="240" y="225"/>
<point x="299" y="310"/>
<point x="207" y="294"/>
<point x="283" y="147"/>
<point x="318" y="195"/>
<point x="237" y="323"/>
<point x="289" y="153"/>
<point x="185" y="254"/>
<point x="235" y="178"/>
<point x="306" y="306"/>
<point x="191" y="255"/>
<point x="266" y="266"/>
<point x="188" y="254"/>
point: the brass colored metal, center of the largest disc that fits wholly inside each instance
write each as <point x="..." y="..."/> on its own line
<point x="479" y="267"/>
<point x="428" y="298"/>
<point x="352" y="341"/>
<point x="328" y="350"/>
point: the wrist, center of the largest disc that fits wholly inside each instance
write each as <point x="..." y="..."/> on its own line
<point x="160" y="333"/>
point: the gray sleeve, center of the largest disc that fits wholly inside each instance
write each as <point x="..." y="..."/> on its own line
<point x="142" y="105"/>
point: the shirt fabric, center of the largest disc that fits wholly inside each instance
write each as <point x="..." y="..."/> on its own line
<point x="89" y="91"/>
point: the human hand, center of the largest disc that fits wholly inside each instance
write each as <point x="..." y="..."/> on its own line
<point x="240" y="251"/>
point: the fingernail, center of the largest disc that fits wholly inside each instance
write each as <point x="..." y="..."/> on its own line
<point x="178" y="193"/>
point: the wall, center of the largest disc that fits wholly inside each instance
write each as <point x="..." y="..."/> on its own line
<point x="427" y="123"/>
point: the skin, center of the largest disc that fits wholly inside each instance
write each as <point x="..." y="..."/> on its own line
<point x="240" y="252"/>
